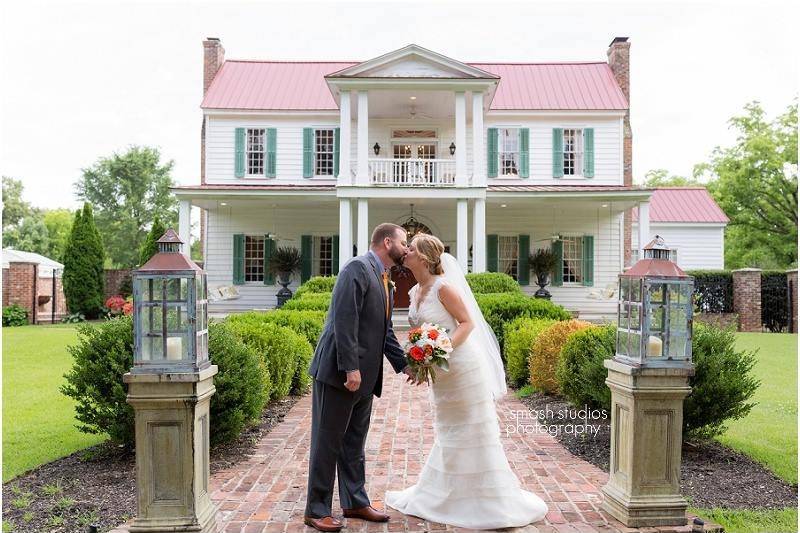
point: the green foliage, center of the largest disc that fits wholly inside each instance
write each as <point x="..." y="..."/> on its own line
<point x="59" y="224"/>
<point x="307" y="323"/>
<point x="546" y="353"/>
<point x="128" y="190"/>
<point x="519" y="336"/>
<point x="14" y="207"/>
<point x="713" y="290"/>
<point x="543" y="261"/>
<point x="316" y="284"/>
<point x="285" y="259"/>
<point x="722" y="383"/>
<point x="580" y="372"/>
<point x="242" y="384"/>
<point x="499" y="309"/>
<point x="492" y="282"/>
<point x="73" y="318"/>
<point x="660" y="177"/>
<point x="83" y="276"/>
<point x="15" y="315"/>
<point x="29" y="236"/>
<point x="310" y="301"/>
<point x="149" y="247"/>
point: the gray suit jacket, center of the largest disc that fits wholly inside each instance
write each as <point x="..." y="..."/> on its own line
<point x="357" y="333"/>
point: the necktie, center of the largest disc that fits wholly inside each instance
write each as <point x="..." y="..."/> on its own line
<point x="386" y="290"/>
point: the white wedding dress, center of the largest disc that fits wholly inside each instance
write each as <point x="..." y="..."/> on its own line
<point x="466" y="481"/>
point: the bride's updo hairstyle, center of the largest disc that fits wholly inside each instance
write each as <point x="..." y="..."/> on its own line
<point x="430" y="250"/>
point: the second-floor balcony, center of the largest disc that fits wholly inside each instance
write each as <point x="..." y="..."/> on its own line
<point x="412" y="172"/>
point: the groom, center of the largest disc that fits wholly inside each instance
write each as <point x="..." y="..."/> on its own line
<point x="348" y="370"/>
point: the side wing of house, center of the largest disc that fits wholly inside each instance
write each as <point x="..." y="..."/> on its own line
<point x="694" y="245"/>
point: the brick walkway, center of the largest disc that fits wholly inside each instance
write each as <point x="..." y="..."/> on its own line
<point x="266" y="493"/>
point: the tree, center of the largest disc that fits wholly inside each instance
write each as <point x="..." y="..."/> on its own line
<point x="150" y="244"/>
<point x="58" y="223"/>
<point x="128" y="190"/>
<point x="29" y="236"/>
<point x="660" y="177"/>
<point x="84" y="276"/>
<point x="755" y="183"/>
<point x="14" y="207"/>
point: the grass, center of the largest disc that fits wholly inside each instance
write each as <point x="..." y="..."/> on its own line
<point x="746" y="521"/>
<point x="38" y="421"/>
<point x="769" y="433"/>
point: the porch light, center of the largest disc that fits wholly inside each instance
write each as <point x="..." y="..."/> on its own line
<point x="376" y="148"/>
<point x="452" y="148"/>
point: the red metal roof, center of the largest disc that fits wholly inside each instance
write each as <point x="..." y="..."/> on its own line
<point x="683" y="204"/>
<point x="562" y="188"/>
<point x="301" y="86"/>
<point x="242" y="187"/>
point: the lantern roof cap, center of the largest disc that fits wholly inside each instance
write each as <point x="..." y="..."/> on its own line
<point x="170" y="237"/>
<point x="656" y="244"/>
<point x="655" y="268"/>
<point x="169" y="261"/>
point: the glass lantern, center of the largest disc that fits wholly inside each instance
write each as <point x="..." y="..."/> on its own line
<point x="170" y="312"/>
<point x="654" y="317"/>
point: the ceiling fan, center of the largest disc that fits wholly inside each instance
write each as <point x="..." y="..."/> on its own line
<point x="413" y="113"/>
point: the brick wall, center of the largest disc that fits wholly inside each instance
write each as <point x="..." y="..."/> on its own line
<point x="6" y="286"/>
<point x="45" y="310"/>
<point x="20" y="286"/>
<point x="114" y="279"/>
<point x="747" y="298"/>
<point x="791" y="278"/>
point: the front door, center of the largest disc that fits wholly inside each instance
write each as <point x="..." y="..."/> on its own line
<point x="412" y="168"/>
<point x="403" y="280"/>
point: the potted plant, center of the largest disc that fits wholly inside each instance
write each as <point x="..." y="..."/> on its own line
<point x="542" y="262"/>
<point x="283" y="263"/>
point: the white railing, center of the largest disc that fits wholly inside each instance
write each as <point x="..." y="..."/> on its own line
<point x="413" y="172"/>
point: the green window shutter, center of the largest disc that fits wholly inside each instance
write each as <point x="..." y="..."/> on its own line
<point x="588" y="260"/>
<point x="336" y="152"/>
<point x="335" y="259"/>
<point x="238" y="259"/>
<point x="491" y="253"/>
<point x="558" y="275"/>
<point x="588" y="152"/>
<point x="239" y="154"/>
<point x="491" y="153"/>
<point x="558" y="152"/>
<point x="269" y="248"/>
<point x="523" y="269"/>
<point x="308" y="152"/>
<point x="306" y="251"/>
<point x="270" y="167"/>
<point x="524" y="153"/>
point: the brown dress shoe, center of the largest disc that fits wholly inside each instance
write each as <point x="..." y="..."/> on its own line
<point x="327" y="523"/>
<point x="366" y="513"/>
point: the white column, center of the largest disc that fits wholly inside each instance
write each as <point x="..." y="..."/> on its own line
<point x="461" y="139"/>
<point x="363" y="226"/>
<point x="462" y="234"/>
<point x="478" y="151"/>
<point x="345" y="231"/>
<point x="479" y="236"/>
<point x="185" y="226"/>
<point x="362" y="177"/>
<point x="344" y="139"/>
<point x="644" y="227"/>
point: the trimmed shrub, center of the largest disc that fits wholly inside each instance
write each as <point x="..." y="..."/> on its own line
<point x="546" y="351"/>
<point x="149" y="246"/>
<point x="492" y="282"/>
<point x="15" y="315"/>
<point x="499" y="309"/>
<point x="307" y="323"/>
<point x="520" y="334"/>
<point x="84" y="256"/>
<point x="580" y="372"/>
<point x="722" y="383"/>
<point x="242" y="384"/>
<point x="316" y="284"/>
<point x="311" y="301"/>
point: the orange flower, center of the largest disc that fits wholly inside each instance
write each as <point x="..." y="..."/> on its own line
<point x="433" y="334"/>
<point x="416" y="353"/>
<point x="428" y="349"/>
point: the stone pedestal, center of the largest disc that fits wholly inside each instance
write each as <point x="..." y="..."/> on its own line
<point x="172" y="446"/>
<point x="646" y="437"/>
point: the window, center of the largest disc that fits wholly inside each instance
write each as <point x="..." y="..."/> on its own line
<point x="673" y="255"/>
<point x="508" y="151"/>
<point x="572" y="263"/>
<point x="323" y="152"/>
<point x="322" y="256"/>
<point x="508" y="254"/>
<point x="254" y="258"/>
<point x="255" y="151"/>
<point x="573" y="153"/>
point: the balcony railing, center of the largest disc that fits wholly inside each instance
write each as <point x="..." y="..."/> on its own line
<point x="412" y="172"/>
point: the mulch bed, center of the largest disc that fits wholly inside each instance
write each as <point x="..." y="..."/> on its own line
<point x="712" y="475"/>
<point x="98" y="485"/>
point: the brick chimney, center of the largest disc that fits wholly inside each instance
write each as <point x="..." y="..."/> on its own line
<point x="619" y="53"/>
<point x="213" y="58"/>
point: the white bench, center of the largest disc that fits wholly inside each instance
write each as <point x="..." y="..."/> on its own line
<point x="222" y="293"/>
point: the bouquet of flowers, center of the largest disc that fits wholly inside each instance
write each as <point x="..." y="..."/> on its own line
<point x="428" y="346"/>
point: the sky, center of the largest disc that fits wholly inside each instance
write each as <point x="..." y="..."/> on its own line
<point x="84" y="80"/>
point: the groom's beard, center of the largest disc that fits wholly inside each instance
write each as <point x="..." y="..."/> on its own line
<point x="397" y="256"/>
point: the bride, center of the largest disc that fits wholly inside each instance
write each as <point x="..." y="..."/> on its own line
<point x="466" y="481"/>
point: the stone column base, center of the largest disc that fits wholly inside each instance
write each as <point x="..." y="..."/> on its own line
<point x="640" y="511"/>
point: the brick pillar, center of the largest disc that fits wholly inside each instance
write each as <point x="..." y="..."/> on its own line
<point x="747" y="298"/>
<point x="791" y="279"/>
<point x="619" y="61"/>
<point x="23" y="280"/>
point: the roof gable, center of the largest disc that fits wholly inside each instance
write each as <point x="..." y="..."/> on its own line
<point x="684" y="205"/>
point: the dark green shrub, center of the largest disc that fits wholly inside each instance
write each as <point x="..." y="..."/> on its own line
<point x="15" y="315"/>
<point x="310" y="301"/>
<point x="149" y="246"/>
<point x="713" y="291"/>
<point x="307" y="323"/>
<point x="519" y="336"/>
<point x="499" y="309"/>
<point x="492" y="282"/>
<point x="580" y="372"/>
<point x="242" y="384"/>
<point x="722" y="383"/>
<point x="84" y="256"/>
<point x="316" y="284"/>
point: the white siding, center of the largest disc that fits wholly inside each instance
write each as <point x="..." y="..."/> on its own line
<point x="700" y="246"/>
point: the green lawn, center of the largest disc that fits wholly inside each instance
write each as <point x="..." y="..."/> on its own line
<point x="769" y="433"/>
<point x="738" y="521"/>
<point x="38" y="421"/>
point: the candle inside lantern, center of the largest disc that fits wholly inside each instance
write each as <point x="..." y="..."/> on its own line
<point x="174" y="348"/>
<point x="654" y="346"/>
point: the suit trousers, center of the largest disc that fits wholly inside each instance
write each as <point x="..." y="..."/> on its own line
<point x="339" y="425"/>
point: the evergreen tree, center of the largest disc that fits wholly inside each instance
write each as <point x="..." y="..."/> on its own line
<point x="150" y="245"/>
<point x="83" y="260"/>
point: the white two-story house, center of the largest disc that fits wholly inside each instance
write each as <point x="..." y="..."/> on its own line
<point x="496" y="159"/>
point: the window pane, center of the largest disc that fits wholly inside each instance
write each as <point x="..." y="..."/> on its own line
<point x="323" y="152"/>
<point x="508" y="255"/>
<point x="573" y="152"/>
<point x="572" y="250"/>
<point x="255" y="151"/>
<point x="322" y="256"/>
<point x="508" y="151"/>
<point x="253" y="258"/>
